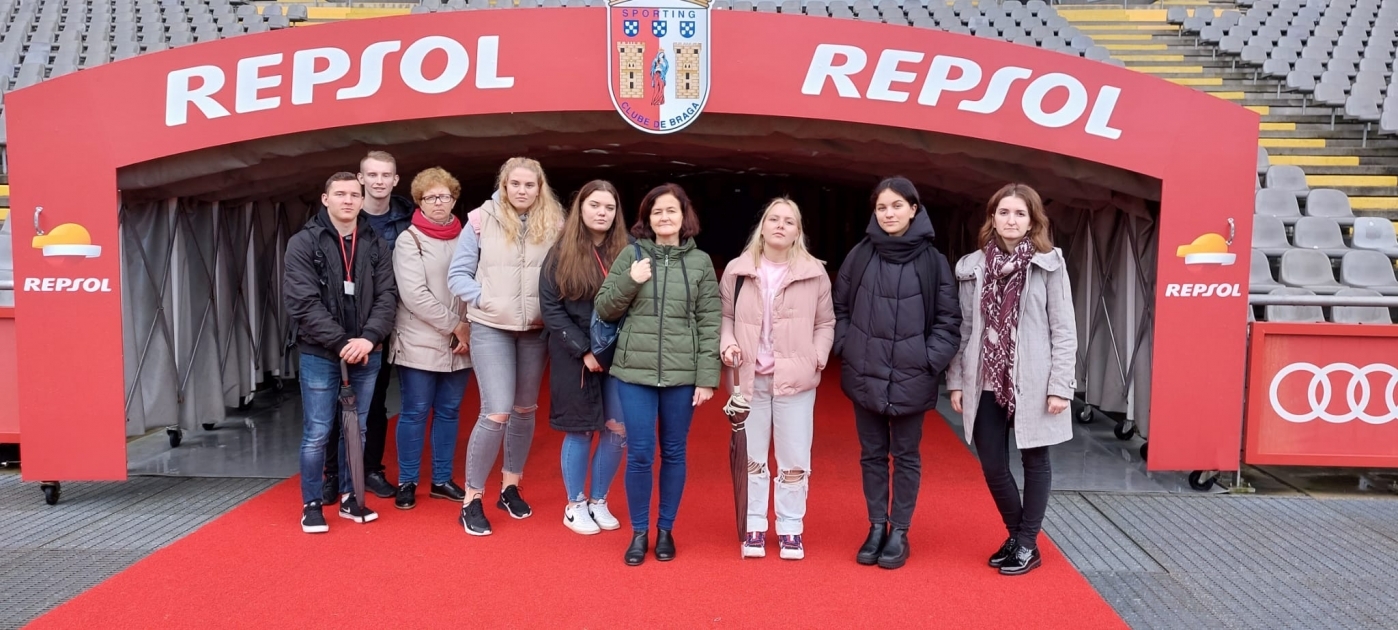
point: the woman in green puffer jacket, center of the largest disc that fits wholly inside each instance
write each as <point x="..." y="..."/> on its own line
<point x="666" y="361"/>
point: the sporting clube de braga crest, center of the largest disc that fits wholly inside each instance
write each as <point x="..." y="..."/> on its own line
<point x="658" y="65"/>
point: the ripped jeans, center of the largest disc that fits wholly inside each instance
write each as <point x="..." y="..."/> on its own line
<point x="785" y="421"/>
<point x="509" y="369"/>
<point x="577" y="451"/>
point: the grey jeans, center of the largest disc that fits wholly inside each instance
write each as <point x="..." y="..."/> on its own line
<point x="509" y="369"/>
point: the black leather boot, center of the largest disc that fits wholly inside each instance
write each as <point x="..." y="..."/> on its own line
<point x="664" y="545"/>
<point x="636" y="553"/>
<point x="873" y="545"/>
<point x="895" y="549"/>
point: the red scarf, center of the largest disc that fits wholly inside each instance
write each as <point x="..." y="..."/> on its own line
<point x="436" y="230"/>
<point x="1005" y="275"/>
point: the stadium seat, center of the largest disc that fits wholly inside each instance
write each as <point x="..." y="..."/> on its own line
<point x="297" y="13"/>
<point x="1367" y="269"/>
<point x="1298" y="314"/>
<point x="1260" y="274"/>
<point x="1278" y="203"/>
<point x="1320" y="234"/>
<point x="1263" y="161"/>
<point x="1374" y="233"/>
<point x="1330" y="203"/>
<point x="1308" y="269"/>
<point x="1359" y="314"/>
<point x="1288" y="178"/>
<point x="1269" y="236"/>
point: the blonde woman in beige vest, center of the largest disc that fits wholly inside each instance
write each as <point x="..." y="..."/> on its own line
<point x="496" y="272"/>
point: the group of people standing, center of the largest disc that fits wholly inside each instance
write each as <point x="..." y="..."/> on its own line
<point x="636" y="328"/>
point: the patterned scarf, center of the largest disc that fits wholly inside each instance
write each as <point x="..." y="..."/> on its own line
<point x="1005" y="273"/>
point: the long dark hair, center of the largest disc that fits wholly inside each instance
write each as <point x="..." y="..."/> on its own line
<point x="689" y="222"/>
<point x="575" y="265"/>
<point x="902" y="187"/>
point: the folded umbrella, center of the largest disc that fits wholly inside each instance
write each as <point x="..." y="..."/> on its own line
<point x="349" y="432"/>
<point x="737" y="411"/>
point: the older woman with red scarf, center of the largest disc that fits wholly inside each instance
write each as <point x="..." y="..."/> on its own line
<point x="1018" y="347"/>
<point x="431" y="340"/>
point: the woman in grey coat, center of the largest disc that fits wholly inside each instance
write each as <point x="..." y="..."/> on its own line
<point x="1018" y="346"/>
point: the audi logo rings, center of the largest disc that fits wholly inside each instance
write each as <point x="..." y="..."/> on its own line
<point x="1319" y="393"/>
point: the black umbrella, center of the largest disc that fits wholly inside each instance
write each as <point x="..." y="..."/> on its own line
<point x="737" y="411"/>
<point x="349" y="430"/>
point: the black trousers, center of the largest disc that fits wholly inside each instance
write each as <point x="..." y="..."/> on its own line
<point x="375" y="430"/>
<point x="881" y="438"/>
<point x="1023" y="519"/>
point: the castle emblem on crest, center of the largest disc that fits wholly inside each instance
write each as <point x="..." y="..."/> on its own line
<point x="658" y="64"/>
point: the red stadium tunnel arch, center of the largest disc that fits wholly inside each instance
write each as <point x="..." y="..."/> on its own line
<point x="73" y="133"/>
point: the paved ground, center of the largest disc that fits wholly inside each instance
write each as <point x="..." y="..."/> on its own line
<point x="1162" y="560"/>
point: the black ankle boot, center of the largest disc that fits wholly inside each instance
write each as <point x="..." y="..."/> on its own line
<point x="664" y="545"/>
<point x="895" y="549"/>
<point x="873" y="545"/>
<point x="636" y="553"/>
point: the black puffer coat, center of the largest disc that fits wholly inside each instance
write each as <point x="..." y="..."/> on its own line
<point x="891" y="361"/>
<point x="575" y="394"/>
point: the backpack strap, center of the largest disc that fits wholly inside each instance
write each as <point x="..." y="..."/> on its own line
<point x="416" y="240"/>
<point x="737" y="288"/>
<point x="473" y="218"/>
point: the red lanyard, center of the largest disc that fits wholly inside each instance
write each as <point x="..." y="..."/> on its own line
<point x="599" y="262"/>
<point x="349" y="257"/>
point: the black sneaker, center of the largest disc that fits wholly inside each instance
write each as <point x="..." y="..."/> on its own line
<point x="1021" y="561"/>
<point x="448" y="490"/>
<point x="407" y="496"/>
<point x="511" y="502"/>
<point x="378" y="484"/>
<point x="330" y="490"/>
<point x="1006" y="550"/>
<point x="312" y="520"/>
<point x="350" y="509"/>
<point x="473" y="518"/>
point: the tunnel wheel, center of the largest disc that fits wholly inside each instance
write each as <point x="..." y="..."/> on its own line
<point x="209" y="426"/>
<point x="1202" y="480"/>
<point x="277" y="384"/>
<point x="175" y="436"/>
<point x="1144" y="447"/>
<point x="1082" y="412"/>
<point x="52" y="491"/>
<point x="1124" y="430"/>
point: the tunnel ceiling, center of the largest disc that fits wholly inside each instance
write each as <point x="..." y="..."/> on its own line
<point x="598" y="144"/>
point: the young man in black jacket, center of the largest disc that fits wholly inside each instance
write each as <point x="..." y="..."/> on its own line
<point x="341" y="296"/>
<point x="389" y="215"/>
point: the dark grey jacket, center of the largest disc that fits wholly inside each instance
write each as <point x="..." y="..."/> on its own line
<point x="575" y="394"/>
<point x="891" y="360"/>
<point x="313" y="284"/>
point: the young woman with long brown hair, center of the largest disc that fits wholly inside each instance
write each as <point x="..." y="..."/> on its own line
<point x="583" y="400"/>
<point x="1014" y="374"/>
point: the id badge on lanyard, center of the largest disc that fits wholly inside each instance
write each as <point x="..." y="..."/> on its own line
<point x="349" y="260"/>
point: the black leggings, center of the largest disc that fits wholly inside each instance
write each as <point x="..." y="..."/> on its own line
<point x="992" y="433"/>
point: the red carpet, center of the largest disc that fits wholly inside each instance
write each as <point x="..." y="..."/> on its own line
<point x="254" y="568"/>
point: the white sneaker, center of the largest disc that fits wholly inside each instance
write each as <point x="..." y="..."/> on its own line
<point x="575" y="516"/>
<point x="755" y="546"/>
<point x="602" y="516"/>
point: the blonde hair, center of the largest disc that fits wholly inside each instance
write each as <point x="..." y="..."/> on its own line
<point x="379" y="156"/>
<point x="798" y="244"/>
<point x="435" y="176"/>
<point x="545" y="216"/>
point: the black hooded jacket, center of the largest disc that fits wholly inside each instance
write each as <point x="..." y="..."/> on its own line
<point x="313" y="284"/>
<point x="393" y="222"/>
<point x="893" y="353"/>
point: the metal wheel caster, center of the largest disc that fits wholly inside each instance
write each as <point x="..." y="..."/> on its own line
<point x="52" y="491"/>
<point x="175" y="436"/>
<point x="1083" y="414"/>
<point x="1124" y="430"/>
<point x="1144" y="448"/>
<point x="1203" y="480"/>
<point x="209" y="426"/>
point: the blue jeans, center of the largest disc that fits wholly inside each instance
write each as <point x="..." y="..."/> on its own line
<point x="320" y="400"/>
<point x="439" y="393"/>
<point x="577" y="446"/>
<point x="648" y="412"/>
